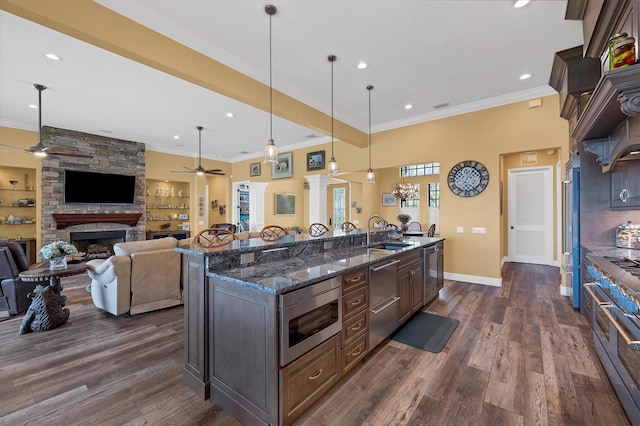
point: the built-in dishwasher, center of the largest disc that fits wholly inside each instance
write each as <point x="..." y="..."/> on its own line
<point x="383" y="293"/>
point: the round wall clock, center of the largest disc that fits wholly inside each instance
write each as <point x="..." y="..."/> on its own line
<point x="468" y="178"/>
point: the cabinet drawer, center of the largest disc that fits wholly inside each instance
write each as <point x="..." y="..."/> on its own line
<point x="354" y="327"/>
<point x="355" y="302"/>
<point x="354" y="280"/>
<point x="354" y="352"/>
<point x="306" y="379"/>
<point x="409" y="257"/>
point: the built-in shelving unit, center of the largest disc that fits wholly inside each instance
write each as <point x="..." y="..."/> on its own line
<point x="17" y="203"/>
<point x="167" y="202"/>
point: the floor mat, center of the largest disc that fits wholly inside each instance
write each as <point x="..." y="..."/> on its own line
<point x="427" y="331"/>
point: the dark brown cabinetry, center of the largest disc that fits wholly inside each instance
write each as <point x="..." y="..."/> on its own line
<point x="625" y="185"/>
<point x="355" y="318"/>
<point x="308" y="378"/>
<point x="409" y="285"/>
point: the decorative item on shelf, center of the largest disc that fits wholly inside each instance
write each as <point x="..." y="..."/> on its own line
<point x="624" y="53"/>
<point x="404" y="220"/>
<point x="57" y="253"/>
<point x="173" y="191"/>
<point x="26" y="181"/>
<point x="1" y="201"/>
<point x="271" y="150"/>
<point x="180" y="193"/>
<point x="404" y="190"/>
<point x="13" y="183"/>
<point x="165" y="226"/>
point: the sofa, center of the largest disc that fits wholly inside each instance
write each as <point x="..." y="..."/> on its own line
<point x="14" y="291"/>
<point x="141" y="276"/>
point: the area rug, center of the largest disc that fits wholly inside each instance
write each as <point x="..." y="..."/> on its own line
<point x="427" y="331"/>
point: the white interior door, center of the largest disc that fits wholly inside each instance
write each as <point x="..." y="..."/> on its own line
<point x="530" y="215"/>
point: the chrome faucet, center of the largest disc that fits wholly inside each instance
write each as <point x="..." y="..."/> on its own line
<point x="384" y="225"/>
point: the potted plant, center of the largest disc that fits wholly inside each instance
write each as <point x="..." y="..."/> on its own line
<point x="57" y="253"/>
<point x="404" y="219"/>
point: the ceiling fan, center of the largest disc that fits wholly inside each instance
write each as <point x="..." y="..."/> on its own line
<point x="40" y="149"/>
<point x="200" y="170"/>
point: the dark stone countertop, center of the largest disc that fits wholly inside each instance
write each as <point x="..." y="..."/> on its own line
<point x="287" y="275"/>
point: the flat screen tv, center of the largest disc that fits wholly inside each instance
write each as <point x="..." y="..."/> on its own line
<point x="98" y="188"/>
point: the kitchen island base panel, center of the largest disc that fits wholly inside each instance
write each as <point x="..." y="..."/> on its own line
<point x="244" y="350"/>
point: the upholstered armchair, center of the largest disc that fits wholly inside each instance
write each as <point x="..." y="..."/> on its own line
<point x="141" y="276"/>
<point x="13" y="291"/>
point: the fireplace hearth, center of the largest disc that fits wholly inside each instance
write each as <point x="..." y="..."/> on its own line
<point x="97" y="244"/>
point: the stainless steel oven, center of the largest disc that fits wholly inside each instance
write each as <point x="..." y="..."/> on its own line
<point x="308" y="317"/>
<point x="616" y="329"/>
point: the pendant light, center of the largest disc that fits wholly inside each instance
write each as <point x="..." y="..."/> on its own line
<point x="271" y="150"/>
<point x="371" y="177"/>
<point x="333" y="164"/>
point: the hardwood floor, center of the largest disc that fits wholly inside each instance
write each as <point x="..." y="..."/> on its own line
<point x="521" y="355"/>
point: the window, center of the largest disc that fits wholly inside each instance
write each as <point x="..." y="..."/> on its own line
<point x="420" y="170"/>
<point x="412" y="202"/>
<point x="434" y="194"/>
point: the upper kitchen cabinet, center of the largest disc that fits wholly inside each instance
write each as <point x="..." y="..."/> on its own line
<point x="606" y="124"/>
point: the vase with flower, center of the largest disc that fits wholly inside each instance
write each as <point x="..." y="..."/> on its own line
<point x="404" y="219"/>
<point x="57" y="253"/>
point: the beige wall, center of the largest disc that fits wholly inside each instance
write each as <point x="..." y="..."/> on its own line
<point x="485" y="136"/>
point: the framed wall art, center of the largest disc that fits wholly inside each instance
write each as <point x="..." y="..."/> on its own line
<point x="315" y="160"/>
<point x="389" y="200"/>
<point x="284" y="168"/>
<point x="285" y="204"/>
<point x="255" y="169"/>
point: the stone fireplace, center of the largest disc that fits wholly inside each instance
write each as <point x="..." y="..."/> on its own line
<point x="107" y="156"/>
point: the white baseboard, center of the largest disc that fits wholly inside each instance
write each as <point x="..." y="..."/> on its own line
<point x="555" y="263"/>
<point x="565" y="291"/>
<point x="493" y="282"/>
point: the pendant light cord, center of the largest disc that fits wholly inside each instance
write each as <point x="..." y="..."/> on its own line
<point x="332" y="59"/>
<point x="369" y="89"/>
<point x="270" y="85"/>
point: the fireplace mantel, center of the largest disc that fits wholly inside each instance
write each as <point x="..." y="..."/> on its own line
<point x="65" y="220"/>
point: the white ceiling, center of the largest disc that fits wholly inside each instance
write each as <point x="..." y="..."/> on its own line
<point x="468" y="54"/>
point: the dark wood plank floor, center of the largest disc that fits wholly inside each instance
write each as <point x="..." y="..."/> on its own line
<point x="521" y="355"/>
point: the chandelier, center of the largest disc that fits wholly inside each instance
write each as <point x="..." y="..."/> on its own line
<point x="404" y="190"/>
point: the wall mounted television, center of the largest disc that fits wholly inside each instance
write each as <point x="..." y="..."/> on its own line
<point x="82" y="187"/>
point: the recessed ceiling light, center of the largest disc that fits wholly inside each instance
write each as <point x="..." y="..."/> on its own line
<point x="362" y="65"/>
<point x="52" y="56"/>
<point x="525" y="76"/>
<point x="230" y="114"/>
<point x="176" y="137"/>
<point x="32" y="106"/>
<point x="408" y="106"/>
<point x="520" y="3"/>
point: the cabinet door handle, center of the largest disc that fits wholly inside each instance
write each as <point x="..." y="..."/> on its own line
<point x="356" y="302"/>
<point x="315" y="376"/>
<point x="623" y="195"/>
<point x="356" y="327"/>
<point x="357" y="352"/>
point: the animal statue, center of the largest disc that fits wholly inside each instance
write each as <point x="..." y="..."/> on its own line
<point x="45" y="311"/>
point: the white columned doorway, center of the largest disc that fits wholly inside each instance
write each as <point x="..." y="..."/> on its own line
<point x="317" y="198"/>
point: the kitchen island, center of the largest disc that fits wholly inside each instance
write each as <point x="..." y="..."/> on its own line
<point x="271" y="326"/>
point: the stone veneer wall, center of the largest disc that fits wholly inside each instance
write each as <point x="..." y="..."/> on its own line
<point x="108" y="156"/>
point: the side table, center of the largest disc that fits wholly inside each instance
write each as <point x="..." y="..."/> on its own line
<point x="46" y="310"/>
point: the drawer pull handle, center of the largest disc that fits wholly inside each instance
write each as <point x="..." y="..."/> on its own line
<point x="356" y="302"/>
<point x="315" y="376"/>
<point x="356" y="279"/>
<point x="356" y="327"/>
<point x="357" y="352"/>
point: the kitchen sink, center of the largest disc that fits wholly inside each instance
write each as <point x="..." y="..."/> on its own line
<point x="389" y="246"/>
